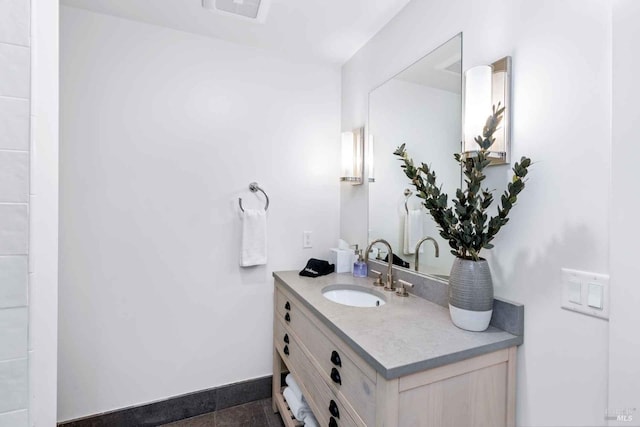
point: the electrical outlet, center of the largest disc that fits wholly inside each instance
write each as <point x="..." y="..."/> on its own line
<point x="306" y="239"/>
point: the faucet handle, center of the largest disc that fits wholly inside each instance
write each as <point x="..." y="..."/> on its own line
<point x="402" y="288"/>
<point x="378" y="281"/>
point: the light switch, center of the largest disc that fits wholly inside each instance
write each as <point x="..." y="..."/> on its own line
<point x="575" y="292"/>
<point x="585" y="292"/>
<point x="594" y="296"/>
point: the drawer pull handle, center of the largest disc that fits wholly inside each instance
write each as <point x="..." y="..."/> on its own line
<point x="335" y="358"/>
<point x="333" y="422"/>
<point x="333" y="409"/>
<point x="287" y="306"/>
<point x="286" y="338"/>
<point x="286" y="350"/>
<point x="335" y="376"/>
<point x="287" y="317"/>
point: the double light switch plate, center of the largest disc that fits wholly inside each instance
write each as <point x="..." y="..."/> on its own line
<point x="585" y="292"/>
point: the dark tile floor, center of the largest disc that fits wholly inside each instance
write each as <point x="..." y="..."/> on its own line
<point x="253" y="414"/>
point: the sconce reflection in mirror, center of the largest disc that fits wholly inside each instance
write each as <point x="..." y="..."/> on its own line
<point x="484" y="87"/>
<point x="370" y="161"/>
<point x="353" y="156"/>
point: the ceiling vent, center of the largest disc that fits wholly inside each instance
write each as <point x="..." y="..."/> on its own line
<point x="252" y="10"/>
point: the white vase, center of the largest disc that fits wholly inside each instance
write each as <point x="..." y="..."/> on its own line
<point x="470" y="294"/>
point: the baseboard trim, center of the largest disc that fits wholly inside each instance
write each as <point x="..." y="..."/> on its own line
<point x="179" y="407"/>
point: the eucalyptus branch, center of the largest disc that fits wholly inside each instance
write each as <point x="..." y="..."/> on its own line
<point x="465" y="224"/>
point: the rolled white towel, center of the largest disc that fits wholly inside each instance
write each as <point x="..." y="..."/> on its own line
<point x="293" y="385"/>
<point x="299" y="409"/>
<point x="310" y="421"/>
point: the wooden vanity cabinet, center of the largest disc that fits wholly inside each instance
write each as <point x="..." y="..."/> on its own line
<point x="343" y="390"/>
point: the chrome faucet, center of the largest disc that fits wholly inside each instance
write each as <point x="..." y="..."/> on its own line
<point x="389" y="283"/>
<point x="435" y="244"/>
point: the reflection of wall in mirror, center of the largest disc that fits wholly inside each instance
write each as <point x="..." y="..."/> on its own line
<point x="428" y="121"/>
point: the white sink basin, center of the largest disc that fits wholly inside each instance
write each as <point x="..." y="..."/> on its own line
<point x="353" y="296"/>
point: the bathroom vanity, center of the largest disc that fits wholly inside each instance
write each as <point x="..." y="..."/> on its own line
<point x="402" y="363"/>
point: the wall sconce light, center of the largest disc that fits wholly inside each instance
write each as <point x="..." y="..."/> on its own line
<point x="370" y="161"/>
<point x="484" y="87"/>
<point x="353" y="156"/>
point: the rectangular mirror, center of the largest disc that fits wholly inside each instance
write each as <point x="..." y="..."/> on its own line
<point x="421" y="107"/>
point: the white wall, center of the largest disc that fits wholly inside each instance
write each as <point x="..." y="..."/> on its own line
<point x="562" y="83"/>
<point x="161" y="132"/>
<point x="28" y="212"/>
<point x="43" y="242"/>
<point x="428" y="121"/>
<point x="15" y="49"/>
<point x="624" y="352"/>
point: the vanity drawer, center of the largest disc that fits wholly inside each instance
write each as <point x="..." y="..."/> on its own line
<point x="338" y="366"/>
<point x="284" y="306"/>
<point x="282" y="338"/>
<point x="288" y="304"/>
<point x="325" y="402"/>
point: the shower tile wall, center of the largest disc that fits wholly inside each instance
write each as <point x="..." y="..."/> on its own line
<point x="15" y="55"/>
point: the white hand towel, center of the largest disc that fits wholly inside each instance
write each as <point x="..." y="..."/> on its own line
<point x="412" y="231"/>
<point x="254" y="237"/>
<point x="299" y="409"/>
<point x="293" y="385"/>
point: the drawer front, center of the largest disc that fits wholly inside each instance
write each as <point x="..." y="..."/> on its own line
<point x="324" y="401"/>
<point x="338" y="369"/>
<point x="282" y="339"/>
<point x="337" y="366"/>
<point x="284" y="304"/>
<point x="287" y="303"/>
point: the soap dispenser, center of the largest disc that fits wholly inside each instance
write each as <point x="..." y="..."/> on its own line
<point x="359" y="267"/>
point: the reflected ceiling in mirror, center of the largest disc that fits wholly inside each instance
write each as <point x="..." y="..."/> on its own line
<point x="419" y="107"/>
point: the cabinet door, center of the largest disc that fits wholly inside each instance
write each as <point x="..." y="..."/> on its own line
<point x="474" y="399"/>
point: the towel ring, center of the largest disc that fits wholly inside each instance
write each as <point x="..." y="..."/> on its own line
<point x="254" y="187"/>
<point x="407" y="193"/>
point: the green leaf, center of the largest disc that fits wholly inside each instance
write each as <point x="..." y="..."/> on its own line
<point x="400" y="150"/>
